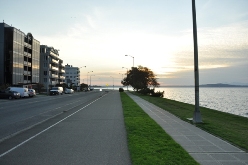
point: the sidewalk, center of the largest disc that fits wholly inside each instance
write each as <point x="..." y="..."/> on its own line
<point x="202" y="146"/>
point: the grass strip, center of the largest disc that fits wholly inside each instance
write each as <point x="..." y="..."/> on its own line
<point x="229" y="127"/>
<point x="148" y="143"/>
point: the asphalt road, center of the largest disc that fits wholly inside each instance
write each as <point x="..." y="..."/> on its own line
<point x="81" y="128"/>
<point x="20" y="114"/>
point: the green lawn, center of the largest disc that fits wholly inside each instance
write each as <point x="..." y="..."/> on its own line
<point x="229" y="127"/>
<point x="147" y="141"/>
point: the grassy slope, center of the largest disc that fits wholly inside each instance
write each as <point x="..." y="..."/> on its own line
<point x="229" y="127"/>
<point x="147" y="141"/>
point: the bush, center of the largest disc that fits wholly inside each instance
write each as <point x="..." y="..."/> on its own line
<point x="121" y="90"/>
<point x="150" y="92"/>
<point x="146" y="91"/>
<point x="158" y="94"/>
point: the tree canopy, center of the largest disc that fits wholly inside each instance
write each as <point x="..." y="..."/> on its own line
<point x="140" y="78"/>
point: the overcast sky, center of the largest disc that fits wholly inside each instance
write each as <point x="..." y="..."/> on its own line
<point x="157" y="33"/>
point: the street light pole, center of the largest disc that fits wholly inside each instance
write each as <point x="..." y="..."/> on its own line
<point x="90" y="80"/>
<point x="87" y="76"/>
<point x="80" y="72"/>
<point x="197" y="114"/>
<point x="113" y="82"/>
<point x="121" y="76"/>
<point x="132" y="57"/>
<point x="48" y="76"/>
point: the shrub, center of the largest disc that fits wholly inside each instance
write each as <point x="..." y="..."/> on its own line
<point x="121" y="90"/>
<point x="146" y="91"/>
<point x="158" y="94"/>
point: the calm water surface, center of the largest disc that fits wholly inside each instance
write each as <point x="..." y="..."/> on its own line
<point x="230" y="100"/>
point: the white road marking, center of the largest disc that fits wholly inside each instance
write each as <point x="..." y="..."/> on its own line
<point x="12" y="149"/>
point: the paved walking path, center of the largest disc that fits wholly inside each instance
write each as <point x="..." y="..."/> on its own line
<point x="202" y="146"/>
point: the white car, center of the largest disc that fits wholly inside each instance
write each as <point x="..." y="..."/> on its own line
<point x="31" y="92"/>
<point x="56" y="91"/>
<point x="69" y="91"/>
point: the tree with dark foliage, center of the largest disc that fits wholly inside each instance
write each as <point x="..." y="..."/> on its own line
<point x="140" y="78"/>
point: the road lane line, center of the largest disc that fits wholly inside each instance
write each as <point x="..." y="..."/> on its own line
<point x="32" y="137"/>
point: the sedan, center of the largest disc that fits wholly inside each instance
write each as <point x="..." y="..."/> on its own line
<point x="9" y="95"/>
<point x="31" y="92"/>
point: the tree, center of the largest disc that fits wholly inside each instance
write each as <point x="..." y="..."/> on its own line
<point x="83" y="87"/>
<point x="140" y="78"/>
<point x="4" y="86"/>
<point x="39" y="87"/>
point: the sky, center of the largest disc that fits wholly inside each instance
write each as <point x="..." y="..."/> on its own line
<point x="157" y="34"/>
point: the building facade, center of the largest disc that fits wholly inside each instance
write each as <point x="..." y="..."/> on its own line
<point x="72" y="75"/>
<point x="52" y="69"/>
<point x="19" y="57"/>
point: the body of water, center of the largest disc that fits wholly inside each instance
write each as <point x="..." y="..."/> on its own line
<point x="230" y="100"/>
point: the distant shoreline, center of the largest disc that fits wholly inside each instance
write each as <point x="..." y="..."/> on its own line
<point x="164" y="86"/>
<point x="207" y="85"/>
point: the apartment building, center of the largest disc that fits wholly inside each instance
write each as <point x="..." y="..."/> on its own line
<point x="52" y="69"/>
<point x="19" y="57"/>
<point x="72" y="75"/>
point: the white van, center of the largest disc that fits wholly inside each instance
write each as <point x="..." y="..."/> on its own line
<point x="23" y="91"/>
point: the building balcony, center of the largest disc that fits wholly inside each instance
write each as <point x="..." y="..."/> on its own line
<point x="29" y="55"/>
<point x="62" y="71"/>
<point x="54" y="82"/>
<point x="26" y="81"/>
<point x="54" y="68"/>
<point x="27" y="63"/>
<point x="62" y="77"/>
<point x="54" y="56"/>
<point x="54" y="76"/>
<point x="26" y="72"/>
<point x="54" y="61"/>
<point x="27" y="45"/>
<point x="25" y="54"/>
<point x="61" y="66"/>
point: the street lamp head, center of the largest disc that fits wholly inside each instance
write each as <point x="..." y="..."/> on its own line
<point x="126" y="55"/>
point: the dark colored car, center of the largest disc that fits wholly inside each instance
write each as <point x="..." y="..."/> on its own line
<point x="9" y="95"/>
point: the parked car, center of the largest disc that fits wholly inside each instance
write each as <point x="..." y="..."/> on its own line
<point x="9" y="94"/>
<point x="31" y="92"/>
<point x="23" y="91"/>
<point x="69" y="91"/>
<point x="56" y="91"/>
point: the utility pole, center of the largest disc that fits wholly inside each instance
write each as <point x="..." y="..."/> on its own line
<point x="197" y="113"/>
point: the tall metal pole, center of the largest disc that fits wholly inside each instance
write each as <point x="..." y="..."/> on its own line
<point x="87" y="77"/>
<point x="133" y="61"/>
<point x="113" y="82"/>
<point x="197" y="114"/>
<point x="132" y="57"/>
<point x="48" y="75"/>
